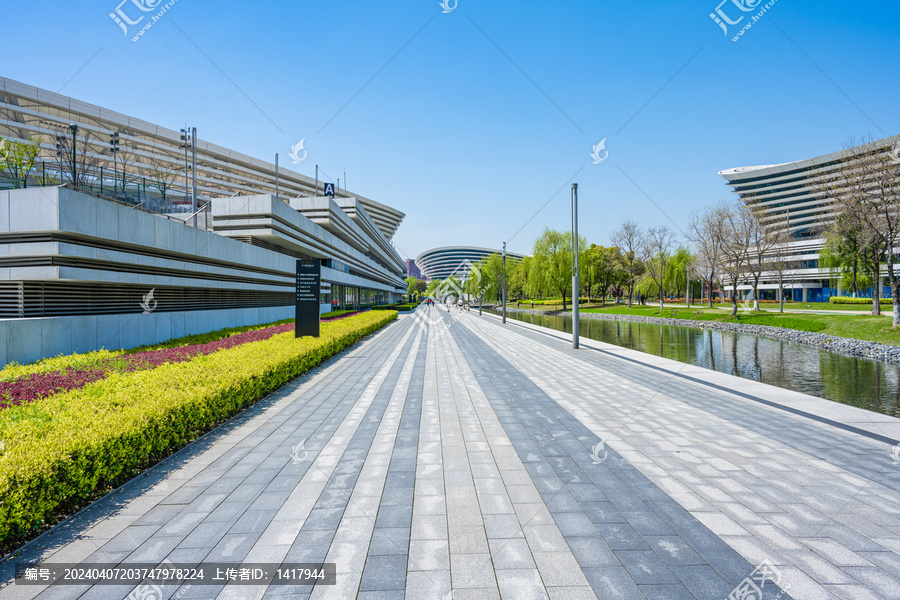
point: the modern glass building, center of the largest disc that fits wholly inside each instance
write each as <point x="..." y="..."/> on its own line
<point x="441" y="263"/>
<point x="786" y="196"/>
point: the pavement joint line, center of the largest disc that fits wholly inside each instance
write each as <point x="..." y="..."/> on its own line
<point x="503" y="341"/>
<point x="474" y="390"/>
<point x="480" y="354"/>
<point x="751" y="397"/>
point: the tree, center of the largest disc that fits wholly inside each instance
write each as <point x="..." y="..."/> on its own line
<point x="761" y="245"/>
<point x="17" y="160"/>
<point x="866" y="193"/>
<point x="87" y="165"/>
<point x="162" y="175"/>
<point x="781" y="237"/>
<point x="553" y="261"/>
<point x="410" y="286"/>
<point x="630" y="240"/>
<point x="657" y="251"/>
<point x="599" y="268"/>
<point x="677" y="270"/>
<point x="705" y="232"/>
<point x="736" y="233"/>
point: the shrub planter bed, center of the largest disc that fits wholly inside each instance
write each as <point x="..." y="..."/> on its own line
<point x="60" y="452"/>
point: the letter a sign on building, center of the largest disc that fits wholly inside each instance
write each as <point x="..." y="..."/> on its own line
<point x="306" y="321"/>
<point x="329" y="189"/>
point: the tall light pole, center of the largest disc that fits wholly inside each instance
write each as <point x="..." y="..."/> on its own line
<point x="114" y="150"/>
<point x="503" y="287"/>
<point x="276" y="176"/>
<point x="575" y="295"/>
<point x="74" y="129"/>
<point x="185" y="141"/>
<point x="687" y="292"/>
<point x="194" y="174"/>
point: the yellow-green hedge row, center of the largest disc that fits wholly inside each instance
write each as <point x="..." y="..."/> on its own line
<point x="59" y="452"/>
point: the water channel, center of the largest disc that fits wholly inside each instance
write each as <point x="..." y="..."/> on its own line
<point x="868" y="384"/>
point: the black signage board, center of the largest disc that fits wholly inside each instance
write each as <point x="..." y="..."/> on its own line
<point x="329" y="189"/>
<point x="308" y="284"/>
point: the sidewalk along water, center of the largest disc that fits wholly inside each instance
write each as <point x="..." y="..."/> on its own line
<point x="868" y="384"/>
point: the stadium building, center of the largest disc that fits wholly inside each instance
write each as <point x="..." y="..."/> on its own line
<point x="99" y="245"/>
<point x="785" y="195"/>
<point x="441" y="263"/>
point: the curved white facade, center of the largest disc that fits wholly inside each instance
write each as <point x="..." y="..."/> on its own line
<point x="441" y="263"/>
<point x="784" y="194"/>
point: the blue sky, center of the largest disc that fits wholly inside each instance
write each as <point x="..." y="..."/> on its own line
<point x="471" y="121"/>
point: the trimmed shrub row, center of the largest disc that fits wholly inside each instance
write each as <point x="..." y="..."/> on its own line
<point x="846" y="300"/>
<point x="60" y="452"/>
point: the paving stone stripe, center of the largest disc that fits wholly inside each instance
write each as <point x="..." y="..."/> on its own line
<point x="766" y="499"/>
<point x="604" y="509"/>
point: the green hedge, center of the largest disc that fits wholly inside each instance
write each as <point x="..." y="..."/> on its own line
<point x="846" y="300"/>
<point x="60" y="452"/>
<point x="400" y="307"/>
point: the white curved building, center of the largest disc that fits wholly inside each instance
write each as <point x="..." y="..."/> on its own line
<point x="784" y="193"/>
<point x="441" y="263"/>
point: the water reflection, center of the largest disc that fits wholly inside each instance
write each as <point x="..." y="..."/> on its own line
<point x="859" y="382"/>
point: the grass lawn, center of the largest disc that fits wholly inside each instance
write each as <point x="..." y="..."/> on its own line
<point x="860" y="327"/>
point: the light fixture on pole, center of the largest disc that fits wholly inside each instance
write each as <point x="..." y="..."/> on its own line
<point x="74" y="129"/>
<point x="575" y="295"/>
<point x="194" y="175"/>
<point x="503" y="287"/>
<point x="114" y="150"/>
<point x="185" y="142"/>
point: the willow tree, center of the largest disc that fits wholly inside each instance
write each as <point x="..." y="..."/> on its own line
<point x="552" y="261"/>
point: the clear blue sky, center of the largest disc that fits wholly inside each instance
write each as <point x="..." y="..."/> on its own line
<point x="428" y="113"/>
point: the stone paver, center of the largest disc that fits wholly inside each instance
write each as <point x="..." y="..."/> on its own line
<point x="452" y="457"/>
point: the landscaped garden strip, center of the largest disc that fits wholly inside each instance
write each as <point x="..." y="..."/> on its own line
<point x="60" y="452"/>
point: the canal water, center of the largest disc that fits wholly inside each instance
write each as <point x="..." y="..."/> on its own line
<point x="868" y="384"/>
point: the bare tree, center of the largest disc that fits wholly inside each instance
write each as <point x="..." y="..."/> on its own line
<point x="780" y="235"/>
<point x="657" y="252"/>
<point x="705" y="231"/>
<point x="162" y="174"/>
<point x="866" y="191"/>
<point x="630" y="241"/>
<point x="78" y="158"/>
<point x="762" y="242"/>
<point x="736" y="240"/>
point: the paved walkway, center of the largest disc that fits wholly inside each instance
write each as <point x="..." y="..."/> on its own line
<point x="452" y="457"/>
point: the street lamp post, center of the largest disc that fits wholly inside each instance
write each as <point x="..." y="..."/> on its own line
<point x="74" y="129"/>
<point x="185" y="141"/>
<point x="575" y="295"/>
<point x="503" y="287"/>
<point x="114" y="150"/>
<point x="193" y="175"/>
